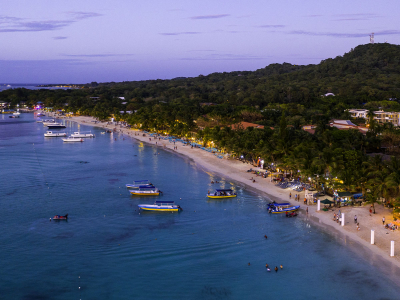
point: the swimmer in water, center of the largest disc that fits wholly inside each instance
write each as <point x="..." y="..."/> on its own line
<point x="268" y="270"/>
<point x="281" y="267"/>
<point x="265" y="236"/>
<point x="276" y="269"/>
<point x="266" y="265"/>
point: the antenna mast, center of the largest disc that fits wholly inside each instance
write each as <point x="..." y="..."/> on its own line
<point x="371" y="38"/>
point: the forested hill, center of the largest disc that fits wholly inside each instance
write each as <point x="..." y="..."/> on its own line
<point x="367" y="73"/>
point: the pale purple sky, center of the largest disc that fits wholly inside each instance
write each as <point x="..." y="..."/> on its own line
<point x="50" y="41"/>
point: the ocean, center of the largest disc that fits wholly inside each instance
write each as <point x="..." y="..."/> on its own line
<point x="213" y="249"/>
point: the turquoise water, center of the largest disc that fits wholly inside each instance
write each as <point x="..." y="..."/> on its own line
<point x="107" y="250"/>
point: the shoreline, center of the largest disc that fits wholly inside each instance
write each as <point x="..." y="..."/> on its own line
<point x="377" y="254"/>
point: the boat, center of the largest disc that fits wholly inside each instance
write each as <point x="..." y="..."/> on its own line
<point x="49" y="121"/>
<point x="17" y="114"/>
<point x="13" y="117"/>
<point x="72" y="139"/>
<point x="137" y="183"/>
<point x="55" y="126"/>
<point x="280" y="209"/>
<point x="58" y="217"/>
<point x="272" y="204"/>
<point x="145" y="190"/>
<point x="54" y="134"/>
<point x="161" y="206"/>
<point x="82" y="135"/>
<point x="222" y="193"/>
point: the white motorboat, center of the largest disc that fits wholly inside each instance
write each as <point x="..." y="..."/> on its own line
<point x="17" y="114"/>
<point x="82" y="135"/>
<point x="47" y="122"/>
<point x="72" y="140"/>
<point x="54" y="134"/>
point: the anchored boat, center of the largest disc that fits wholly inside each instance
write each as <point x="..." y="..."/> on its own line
<point x="137" y="183"/>
<point x="72" y="139"/>
<point x="58" y="217"/>
<point x="161" y="206"/>
<point x="279" y="209"/>
<point x="82" y="135"/>
<point x="145" y="190"/>
<point x="55" y="126"/>
<point x="222" y="193"/>
<point x="54" y="134"/>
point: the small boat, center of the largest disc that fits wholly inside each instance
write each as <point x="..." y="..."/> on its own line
<point x="54" y="134"/>
<point x="222" y="193"/>
<point x="13" y="117"/>
<point x="55" y="126"/>
<point x="291" y="215"/>
<point x="283" y="209"/>
<point x="161" y="206"/>
<point x="58" y="217"/>
<point x="72" y="139"/>
<point x="275" y="204"/>
<point x="145" y="190"/>
<point x="17" y="114"/>
<point x="48" y="122"/>
<point x="137" y="183"/>
<point x="82" y="135"/>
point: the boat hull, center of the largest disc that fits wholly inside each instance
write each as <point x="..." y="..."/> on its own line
<point x="285" y="210"/>
<point x="139" y="193"/>
<point x="147" y="208"/>
<point x="221" y="197"/>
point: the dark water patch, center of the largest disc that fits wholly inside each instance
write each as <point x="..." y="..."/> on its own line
<point x="210" y="292"/>
<point x="113" y="180"/>
<point x="118" y="174"/>
<point x="165" y="225"/>
<point x="83" y="162"/>
<point x="35" y="296"/>
<point x="64" y="235"/>
<point x="130" y="232"/>
<point x="11" y="193"/>
<point x="80" y="178"/>
<point x="14" y="123"/>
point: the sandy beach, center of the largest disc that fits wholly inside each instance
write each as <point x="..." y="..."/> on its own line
<point x="237" y="171"/>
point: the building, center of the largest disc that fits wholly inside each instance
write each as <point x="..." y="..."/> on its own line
<point x="346" y="125"/>
<point x="244" y="125"/>
<point x="381" y="116"/>
<point x="358" y="113"/>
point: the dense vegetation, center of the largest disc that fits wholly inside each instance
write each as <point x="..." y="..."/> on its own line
<point x="283" y="98"/>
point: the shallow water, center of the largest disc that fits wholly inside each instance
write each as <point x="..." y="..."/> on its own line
<point x="111" y="251"/>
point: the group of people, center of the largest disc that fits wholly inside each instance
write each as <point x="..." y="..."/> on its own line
<point x="276" y="268"/>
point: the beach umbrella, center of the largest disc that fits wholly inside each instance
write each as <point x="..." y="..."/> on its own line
<point x="327" y="201"/>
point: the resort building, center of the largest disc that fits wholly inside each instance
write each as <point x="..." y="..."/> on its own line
<point x="244" y="125"/>
<point x="358" y="113"/>
<point x="381" y="116"/>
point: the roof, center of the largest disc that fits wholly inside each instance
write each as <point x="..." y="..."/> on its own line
<point x="245" y="125"/>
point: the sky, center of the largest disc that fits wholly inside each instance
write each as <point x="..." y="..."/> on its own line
<point x="80" y="41"/>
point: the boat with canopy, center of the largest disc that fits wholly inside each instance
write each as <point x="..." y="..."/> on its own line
<point x="222" y="193"/>
<point x="161" y="206"/>
<point x="145" y="190"/>
<point x="137" y="183"/>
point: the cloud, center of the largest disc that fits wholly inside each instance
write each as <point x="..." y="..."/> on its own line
<point x="80" y="15"/>
<point x="97" y="55"/>
<point x="343" y="35"/>
<point x="12" y="24"/>
<point x="271" y="26"/>
<point x="180" y="33"/>
<point x="59" y="37"/>
<point x="224" y="56"/>
<point x="210" y="17"/>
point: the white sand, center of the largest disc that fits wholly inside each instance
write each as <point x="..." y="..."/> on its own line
<point x="237" y="171"/>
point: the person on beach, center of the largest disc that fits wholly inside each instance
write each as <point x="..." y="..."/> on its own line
<point x="290" y="195"/>
<point x="355" y="218"/>
<point x="334" y="217"/>
<point x="298" y="197"/>
<point x="358" y="226"/>
<point x="383" y="220"/>
<point x="295" y="197"/>
<point x="307" y="211"/>
<point x="305" y="200"/>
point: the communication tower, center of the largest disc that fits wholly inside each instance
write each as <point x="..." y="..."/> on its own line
<point x="371" y="38"/>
